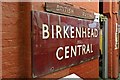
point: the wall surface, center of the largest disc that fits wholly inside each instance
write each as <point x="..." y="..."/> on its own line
<point x="17" y="42"/>
<point x="16" y="60"/>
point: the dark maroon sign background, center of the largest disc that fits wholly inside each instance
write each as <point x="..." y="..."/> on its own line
<point x="44" y="50"/>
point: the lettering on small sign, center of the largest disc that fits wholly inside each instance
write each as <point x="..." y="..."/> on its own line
<point x="60" y="42"/>
<point x="68" y="10"/>
<point x="60" y="8"/>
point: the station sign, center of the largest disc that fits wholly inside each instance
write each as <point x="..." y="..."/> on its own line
<point x="59" y="42"/>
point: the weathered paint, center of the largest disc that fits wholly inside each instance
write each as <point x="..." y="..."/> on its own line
<point x="44" y="50"/>
<point x="110" y="9"/>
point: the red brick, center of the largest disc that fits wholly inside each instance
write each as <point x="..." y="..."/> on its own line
<point x="11" y="42"/>
<point x="8" y="28"/>
<point x="9" y="35"/>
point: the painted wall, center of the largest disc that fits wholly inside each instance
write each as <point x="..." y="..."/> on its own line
<point x="110" y="9"/>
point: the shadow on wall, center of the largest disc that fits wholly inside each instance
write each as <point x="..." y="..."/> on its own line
<point x="25" y="34"/>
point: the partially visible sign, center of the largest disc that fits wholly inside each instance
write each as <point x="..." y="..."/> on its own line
<point x="59" y="42"/>
<point x="116" y="37"/>
<point x="118" y="28"/>
<point x="68" y="10"/>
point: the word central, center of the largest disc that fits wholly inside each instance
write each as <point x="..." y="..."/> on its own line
<point x="68" y="31"/>
<point x="73" y="51"/>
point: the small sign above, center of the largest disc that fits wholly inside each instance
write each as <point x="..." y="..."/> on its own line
<point x="68" y="10"/>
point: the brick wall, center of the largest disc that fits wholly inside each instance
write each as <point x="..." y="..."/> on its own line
<point x="17" y="43"/>
<point x="16" y="40"/>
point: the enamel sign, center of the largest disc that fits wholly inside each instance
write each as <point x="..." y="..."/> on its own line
<point x="60" y="41"/>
